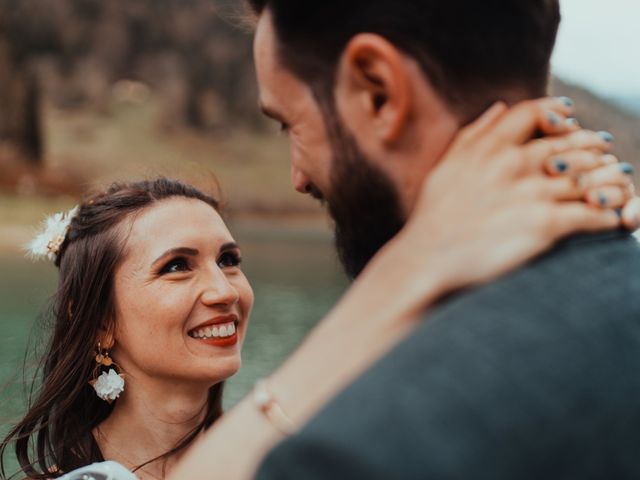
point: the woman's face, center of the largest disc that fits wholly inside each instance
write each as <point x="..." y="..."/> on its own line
<point x="182" y="302"/>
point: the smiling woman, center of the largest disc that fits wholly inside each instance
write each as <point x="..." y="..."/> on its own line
<point x="150" y="293"/>
<point x="179" y="288"/>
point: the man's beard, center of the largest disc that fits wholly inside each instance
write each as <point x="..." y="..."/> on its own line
<point x="363" y="203"/>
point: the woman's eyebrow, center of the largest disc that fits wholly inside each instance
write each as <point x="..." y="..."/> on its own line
<point x="229" y="246"/>
<point x="192" y="252"/>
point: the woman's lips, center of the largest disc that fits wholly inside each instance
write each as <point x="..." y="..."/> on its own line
<point x="217" y="334"/>
<point x="221" y="342"/>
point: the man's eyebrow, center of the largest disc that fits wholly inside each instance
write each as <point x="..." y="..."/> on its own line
<point x="191" y="252"/>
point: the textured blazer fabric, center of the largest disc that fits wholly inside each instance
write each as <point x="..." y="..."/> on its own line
<point x="533" y="376"/>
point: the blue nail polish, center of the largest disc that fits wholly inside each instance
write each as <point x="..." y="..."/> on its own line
<point x="572" y="122"/>
<point x="627" y="169"/>
<point x="602" y="199"/>
<point x="553" y="118"/>
<point x="606" y="136"/>
<point x="618" y="212"/>
<point x="561" y="166"/>
<point x="566" y="101"/>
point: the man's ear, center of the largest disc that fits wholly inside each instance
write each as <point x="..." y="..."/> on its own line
<point x="374" y="80"/>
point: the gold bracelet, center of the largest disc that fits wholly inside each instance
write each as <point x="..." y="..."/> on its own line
<point x="271" y="409"/>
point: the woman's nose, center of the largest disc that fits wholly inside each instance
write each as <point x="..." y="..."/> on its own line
<point x="218" y="290"/>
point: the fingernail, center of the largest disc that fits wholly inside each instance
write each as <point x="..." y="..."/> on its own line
<point x="618" y="212"/>
<point x="606" y="136"/>
<point x="572" y="122"/>
<point x="553" y="118"/>
<point x="609" y="159"/>
<point x="560" y="165"/>
<point x="566" y="101"/>
<point x="627" y="168"/>
<point x="602" y="199"/>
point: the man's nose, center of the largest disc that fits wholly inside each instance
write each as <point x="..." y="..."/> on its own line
<point x="299" y="180"/>
<point x="218" y="290"/>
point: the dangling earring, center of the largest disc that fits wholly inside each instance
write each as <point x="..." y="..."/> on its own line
<point x="110" y="384"/>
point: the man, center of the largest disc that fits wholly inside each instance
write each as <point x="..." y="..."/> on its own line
<point x="532" y="376"/>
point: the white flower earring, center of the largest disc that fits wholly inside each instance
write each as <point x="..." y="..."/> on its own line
<point x="110" y="384"/>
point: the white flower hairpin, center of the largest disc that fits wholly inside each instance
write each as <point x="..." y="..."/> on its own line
<point x="48" y="242"/>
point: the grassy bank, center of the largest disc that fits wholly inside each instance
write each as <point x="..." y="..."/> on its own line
<point x="248" y="170"/>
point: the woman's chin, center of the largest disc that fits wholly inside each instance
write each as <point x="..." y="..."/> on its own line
<point x="210" y="375"/>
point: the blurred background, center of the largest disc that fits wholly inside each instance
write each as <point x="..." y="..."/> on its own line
<point x="92" y="91"/>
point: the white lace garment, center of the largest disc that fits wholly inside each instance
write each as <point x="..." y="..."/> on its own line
<point x="100" y="471"/>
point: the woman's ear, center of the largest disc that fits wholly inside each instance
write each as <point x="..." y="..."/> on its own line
<point x="374" y="85"/>
<point x="106" y="337"/>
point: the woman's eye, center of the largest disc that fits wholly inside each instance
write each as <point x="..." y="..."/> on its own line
<point x="176" y="265"/>
<point x="229" y="259"/>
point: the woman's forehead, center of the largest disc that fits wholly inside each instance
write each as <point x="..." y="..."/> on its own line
<point x="176" y="222"/>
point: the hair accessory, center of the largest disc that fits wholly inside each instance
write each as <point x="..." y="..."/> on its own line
<point x="109" y="385"/>
<point x="271" y="409"/>
<point x="54" y="230"/>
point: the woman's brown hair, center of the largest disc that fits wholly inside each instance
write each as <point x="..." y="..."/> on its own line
<point x="55" y="434"/>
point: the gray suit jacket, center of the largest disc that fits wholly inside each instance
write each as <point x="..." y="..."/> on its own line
<point x="533" y="376"/>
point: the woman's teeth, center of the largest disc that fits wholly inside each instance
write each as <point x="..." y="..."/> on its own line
<point x="215" y="331"/>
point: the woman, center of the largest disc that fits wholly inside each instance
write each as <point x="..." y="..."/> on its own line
<point x="150" y="287"/>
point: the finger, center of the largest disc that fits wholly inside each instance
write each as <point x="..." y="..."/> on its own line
<point x="610" y="159"/>
<point x="540" y="150"/>
<point x="479" y="127"/>
<point x="617" y="174"/>
<point x="577" y="161"/>
<point x="552" y="123"/>
<point x="583" y="186"/>
<point x="560" y="189"/>
<point x="569" y="218"/>
<point x="608" y="197"/>
<point x="631" y="214"/>
<point x="521" y="122"/>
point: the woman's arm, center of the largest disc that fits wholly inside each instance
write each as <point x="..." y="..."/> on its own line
<point x="487" y="208"/>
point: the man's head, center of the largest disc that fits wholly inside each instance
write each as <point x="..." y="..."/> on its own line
<point x="372" y="92"/>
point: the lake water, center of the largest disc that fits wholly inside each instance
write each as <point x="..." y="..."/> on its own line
<point x="294" y="273"/>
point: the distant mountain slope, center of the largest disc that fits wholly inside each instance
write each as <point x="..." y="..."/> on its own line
<point x="599" y="114"/>
<point x="631" y="104"/>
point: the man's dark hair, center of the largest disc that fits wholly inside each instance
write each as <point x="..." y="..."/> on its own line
<point x="473" y="52"/>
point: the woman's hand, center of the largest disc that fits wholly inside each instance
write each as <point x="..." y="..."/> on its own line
<point x="497" y="198"/>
